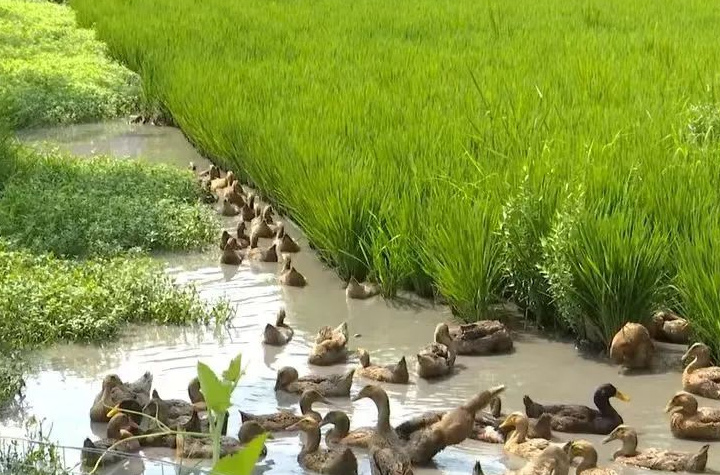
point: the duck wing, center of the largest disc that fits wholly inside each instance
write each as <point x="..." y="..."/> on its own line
<point x="387" y="461"/>
<point x="708" y="414"/>
<point x="414" y="424"/>
<point x="275" y="422"/>
<point x="711" y="373"/>
<point x="360" y="437"/>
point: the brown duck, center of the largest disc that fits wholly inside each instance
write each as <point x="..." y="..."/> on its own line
<point x="280" y="333"/>
<point x="229" y="256"/>
<point x="688" y="421"/>
<point x="289" y="276"/>
<point x="632" y="347"/>
<point x="120" y="428"/>
<point x="339" y="461"/>
<point x="655" y="459"/>
<point x="485" y="337"/>
<point x="358" y="291"/>
<point x="280" y="421"/>
<point x="588" y="458"/>
<point x="699" y="376"/>
<point x="341" y="434"/>
<point x="669" y="327"/>
<point x="518" y="442"/>
<point x="284" y="242"/>
<point x="334" y="385"/>
<point x="393" y="373"/>
<point x="114" y="391"/>
<point x="330" y="346"/>
<point x="438" y="358"/>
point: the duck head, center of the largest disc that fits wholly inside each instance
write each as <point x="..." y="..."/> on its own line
<point x="683" y="403"/>
<point x="696" y="350"/>
<point x="442" y="334"/>
<point x="516" y="420"/>
<point x="306" y="424"/>
<point x="285" y="376"/>
<point x="371" y="391"/>
<point x="364" y="357"/>
<point x="607" y="390"/>
<point x="622" y="432"/>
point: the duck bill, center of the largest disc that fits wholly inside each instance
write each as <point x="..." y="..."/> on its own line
<point x="113" y="412"/>
<point x="293" y="427"/>
<point x="622" y="396"/>
<point x="609" y="438"/>
<point x="357" y="398"/>
<point x="670" y="408"/>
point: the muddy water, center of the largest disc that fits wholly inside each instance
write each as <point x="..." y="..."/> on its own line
<point x="549" y="371"/>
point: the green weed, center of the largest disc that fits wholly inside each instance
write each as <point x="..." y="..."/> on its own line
<point x="53" y="72"/>
<point x="86" y="207"/>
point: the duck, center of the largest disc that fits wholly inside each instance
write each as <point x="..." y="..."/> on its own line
<point x="246" y="210"/>
<point x="229" y="256"/>
<point x="284" y="242"/>
<point x="632" y="347"/>
<point x="212" y="172"/>
<point x="333" y="461"/>
<point x="575" y="418"/>
<point x="485" y="337"/>
<point x="242" y="238"/>
<point x="224" y="238"/>
<point x="289" y="276"/>
<point x="173" y="413"/>
<point x="280" y="421"/>
<point x="458" y="423"/>
<point x="264" y="255"/>
<point x="438" y="358"/>
<point x="341" y="434"/>
<point x="261" y="230"/>
<point x="114" y="391"/>
<point x="330" y="346"/>
<point x="356" y="290"/>
<point x="453" y="427"/>
<point x="280" y="333"/>
<point x="688" y="421"/>
<point x="588" y="455"/>
<point x="192" y="447"/>
<point x="485" y="427"/>
<point x="699" y="377"/>
<point x="227" y="208"/>
<point x="655" y="459"/>
<point x="234" y="195"/>
<point x="333" y="385"/>
<point x="669" y="327"/>
<point x="551" y="461"/>
<point x="517" y="442"/>
<point x="217" y="184"/>
<point x="392" y="373"/>
<point x="120" y="428"/>
<point x="388" y="454"/>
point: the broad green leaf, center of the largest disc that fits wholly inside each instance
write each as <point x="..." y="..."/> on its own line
<point x="232" y="374"/>
<point x="243" y="461"/>
<point x="217" y="394"/>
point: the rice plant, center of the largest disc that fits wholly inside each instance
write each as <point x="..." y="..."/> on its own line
<point x="397" y="133"/>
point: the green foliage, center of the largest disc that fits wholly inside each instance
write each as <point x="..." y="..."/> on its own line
<point x="101" y="206"/>
<point x="53" y="72"/>
<point x="45" y="299"/>
<point x="39" y="457"/>
<point x="446" y="163"/>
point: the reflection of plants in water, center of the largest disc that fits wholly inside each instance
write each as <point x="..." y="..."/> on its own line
<point x="34" y="456"/>
<point x="216" y="392"/>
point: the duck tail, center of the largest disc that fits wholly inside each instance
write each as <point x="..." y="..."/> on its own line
<point x="477" y="469"/>
<point x="699" y="460"/>
<point x="532" y="409"/>
<point x="246" y="416"/>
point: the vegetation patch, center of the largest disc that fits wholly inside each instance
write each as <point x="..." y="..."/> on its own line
<point x="76" y="207"/>
<point x="53" y="72"/>
<point x="438" y="146"/>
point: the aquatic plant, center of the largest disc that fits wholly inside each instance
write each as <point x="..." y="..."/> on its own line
<point x="53" y="72"/>
<point x="403" y="172"/>
<point x="34" y="455"/>
<point x="76" y="207"/>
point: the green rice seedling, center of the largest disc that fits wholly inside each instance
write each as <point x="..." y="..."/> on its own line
<point x="395" y="134"/>
<point x="53" y="72"/>
<point x="606" y="270"/>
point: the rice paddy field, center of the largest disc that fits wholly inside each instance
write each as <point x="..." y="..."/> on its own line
<point x="563" y="155"/>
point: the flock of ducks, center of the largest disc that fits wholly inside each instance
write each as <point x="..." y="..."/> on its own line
<point x="416" y="441"/>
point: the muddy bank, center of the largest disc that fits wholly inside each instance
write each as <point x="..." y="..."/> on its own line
<point x="69" y="375"/>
